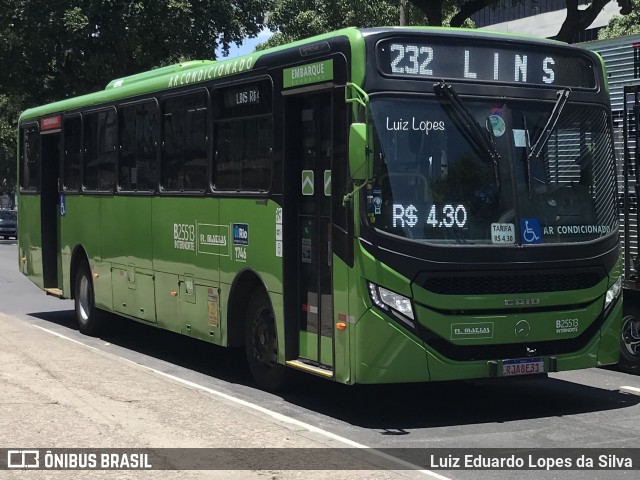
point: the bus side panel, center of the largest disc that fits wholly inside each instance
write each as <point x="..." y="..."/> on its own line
<point x="254" y="233"/>
<point x="610" y="335"/>
<point x="30" y="244"/>
<point x="126" y="245"/>
<point x="252" y="228"/>
<point x="342" y="364"/>
<point x="81" y="227"/>
<point x="126" y="231"/>
<point x="187" y="244"/>
<point x="386" y="354"/>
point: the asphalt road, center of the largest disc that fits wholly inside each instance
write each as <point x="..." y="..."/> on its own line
<point x="583" y="409"/>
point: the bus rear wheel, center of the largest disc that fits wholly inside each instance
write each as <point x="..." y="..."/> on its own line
<point x="90" y="321"/>
<point x="630" y="352"/>
<point x="261" y="344"/>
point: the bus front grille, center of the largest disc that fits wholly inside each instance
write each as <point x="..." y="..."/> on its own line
<point x="487" y="283"/>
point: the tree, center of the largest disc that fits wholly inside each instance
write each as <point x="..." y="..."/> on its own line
<point x="626" y="25"/>
<point x="296" y="19"/>
<point x="9" y="111"/>
<point x="69" y="47"/>
<point x="57" y="49"/>
<point x="580" y="19"/>
<point x="577" y="19"/>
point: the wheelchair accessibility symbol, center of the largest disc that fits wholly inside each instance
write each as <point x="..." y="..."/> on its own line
<point x="531" y="232"/>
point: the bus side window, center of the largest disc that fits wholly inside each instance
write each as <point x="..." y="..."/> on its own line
<point x="72" y="153"/>
<point x="184" y="161"/>
<point x="138" y="146"/>
<point x="100" y="151"/>
<point x="228" y="155"/>
<point x="30" y="167"/>
<point x="243" y="137"/>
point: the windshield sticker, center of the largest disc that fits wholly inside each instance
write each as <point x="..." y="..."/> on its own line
<point x="414" y="125"/>
<point x="520" y="138"/>
<point x="577" y="229"/>
<point x="497" y="125"/>
<point x="377" y="201"/>
<point x="531" y="231"/>
<point x="503" y="233"/>
<point x="63" y="205"/>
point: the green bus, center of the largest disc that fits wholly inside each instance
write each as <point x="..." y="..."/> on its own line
<point x="369" y="206"/>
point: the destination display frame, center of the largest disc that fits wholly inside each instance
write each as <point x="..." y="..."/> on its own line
<point x="418" y="57"/>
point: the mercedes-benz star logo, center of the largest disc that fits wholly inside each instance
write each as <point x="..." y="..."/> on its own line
<point x="523" y="329"/>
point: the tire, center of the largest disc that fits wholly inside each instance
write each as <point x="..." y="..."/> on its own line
<point x="261" y="345"/>
<point x="5" y="237"/>
<point x="89" y="318"/>
<point x="630" y="351"/>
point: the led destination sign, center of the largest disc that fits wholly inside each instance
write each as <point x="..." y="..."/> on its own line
<point x="504" y="64"/>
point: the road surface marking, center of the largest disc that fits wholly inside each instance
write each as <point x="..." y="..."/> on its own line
<point x="275" y="415"/>
<point x="635" y="390"/>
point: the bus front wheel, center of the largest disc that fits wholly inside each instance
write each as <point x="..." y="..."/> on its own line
<point x="630" y="352"/>
<point x="89" y="319"/>
<point x="261" y="344"/>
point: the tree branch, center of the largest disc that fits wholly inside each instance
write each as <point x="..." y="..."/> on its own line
<point x="578" y="20"/>
<point x="432" y="9"/>
<point x="467" y="10"/>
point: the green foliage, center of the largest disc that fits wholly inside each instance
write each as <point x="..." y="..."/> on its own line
<point x="69" y="47"/>
<point x="9" y="111"/>
<point x="623" y="25"/>
<point x="57" y="49"/>
<point x="292" y="20"/>
<point x="296" y="19"/>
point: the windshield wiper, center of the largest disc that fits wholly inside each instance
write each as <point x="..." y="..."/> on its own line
<point x="552" y="121"/>
<point x="527" y="153"/>
<point x="481" y="140"/>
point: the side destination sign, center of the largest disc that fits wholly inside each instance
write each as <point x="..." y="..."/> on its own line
<point x="306" y="74"/>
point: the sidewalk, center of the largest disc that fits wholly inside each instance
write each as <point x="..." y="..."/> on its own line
<point x="58" y="394"/>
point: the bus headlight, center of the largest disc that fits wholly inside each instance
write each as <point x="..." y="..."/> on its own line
<point x="390" y="301"/>
<point x="613" y="292"/>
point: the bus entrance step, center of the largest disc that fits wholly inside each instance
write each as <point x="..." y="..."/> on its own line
<point x="54" y="292"/>
<point x="301" y="365"/>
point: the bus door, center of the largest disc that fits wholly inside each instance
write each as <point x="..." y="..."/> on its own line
<point x="310" y="149"/>
<point x="51" y="147"/>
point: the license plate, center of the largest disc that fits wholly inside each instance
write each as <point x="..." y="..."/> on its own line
<point x="522" y="366"/>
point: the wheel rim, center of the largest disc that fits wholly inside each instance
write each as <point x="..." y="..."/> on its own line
<point x="264" y="345"/>
<point x="84" y="299"/>
<point x="631" y="335"/>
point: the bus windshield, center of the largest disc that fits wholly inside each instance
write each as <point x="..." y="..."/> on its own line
<point x="437" y="180"/>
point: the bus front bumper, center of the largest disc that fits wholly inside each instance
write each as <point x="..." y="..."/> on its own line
<point x="387" y="353"/>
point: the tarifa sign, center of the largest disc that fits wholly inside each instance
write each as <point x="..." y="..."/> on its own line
<point x="306" y="74"/>
<point x="211" y="71"/>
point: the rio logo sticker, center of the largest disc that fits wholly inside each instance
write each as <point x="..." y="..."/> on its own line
<point x="240" y="234"/>
<point x="240" y="241"/>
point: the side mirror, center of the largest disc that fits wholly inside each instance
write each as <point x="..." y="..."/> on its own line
<point x="359" y="164"/>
